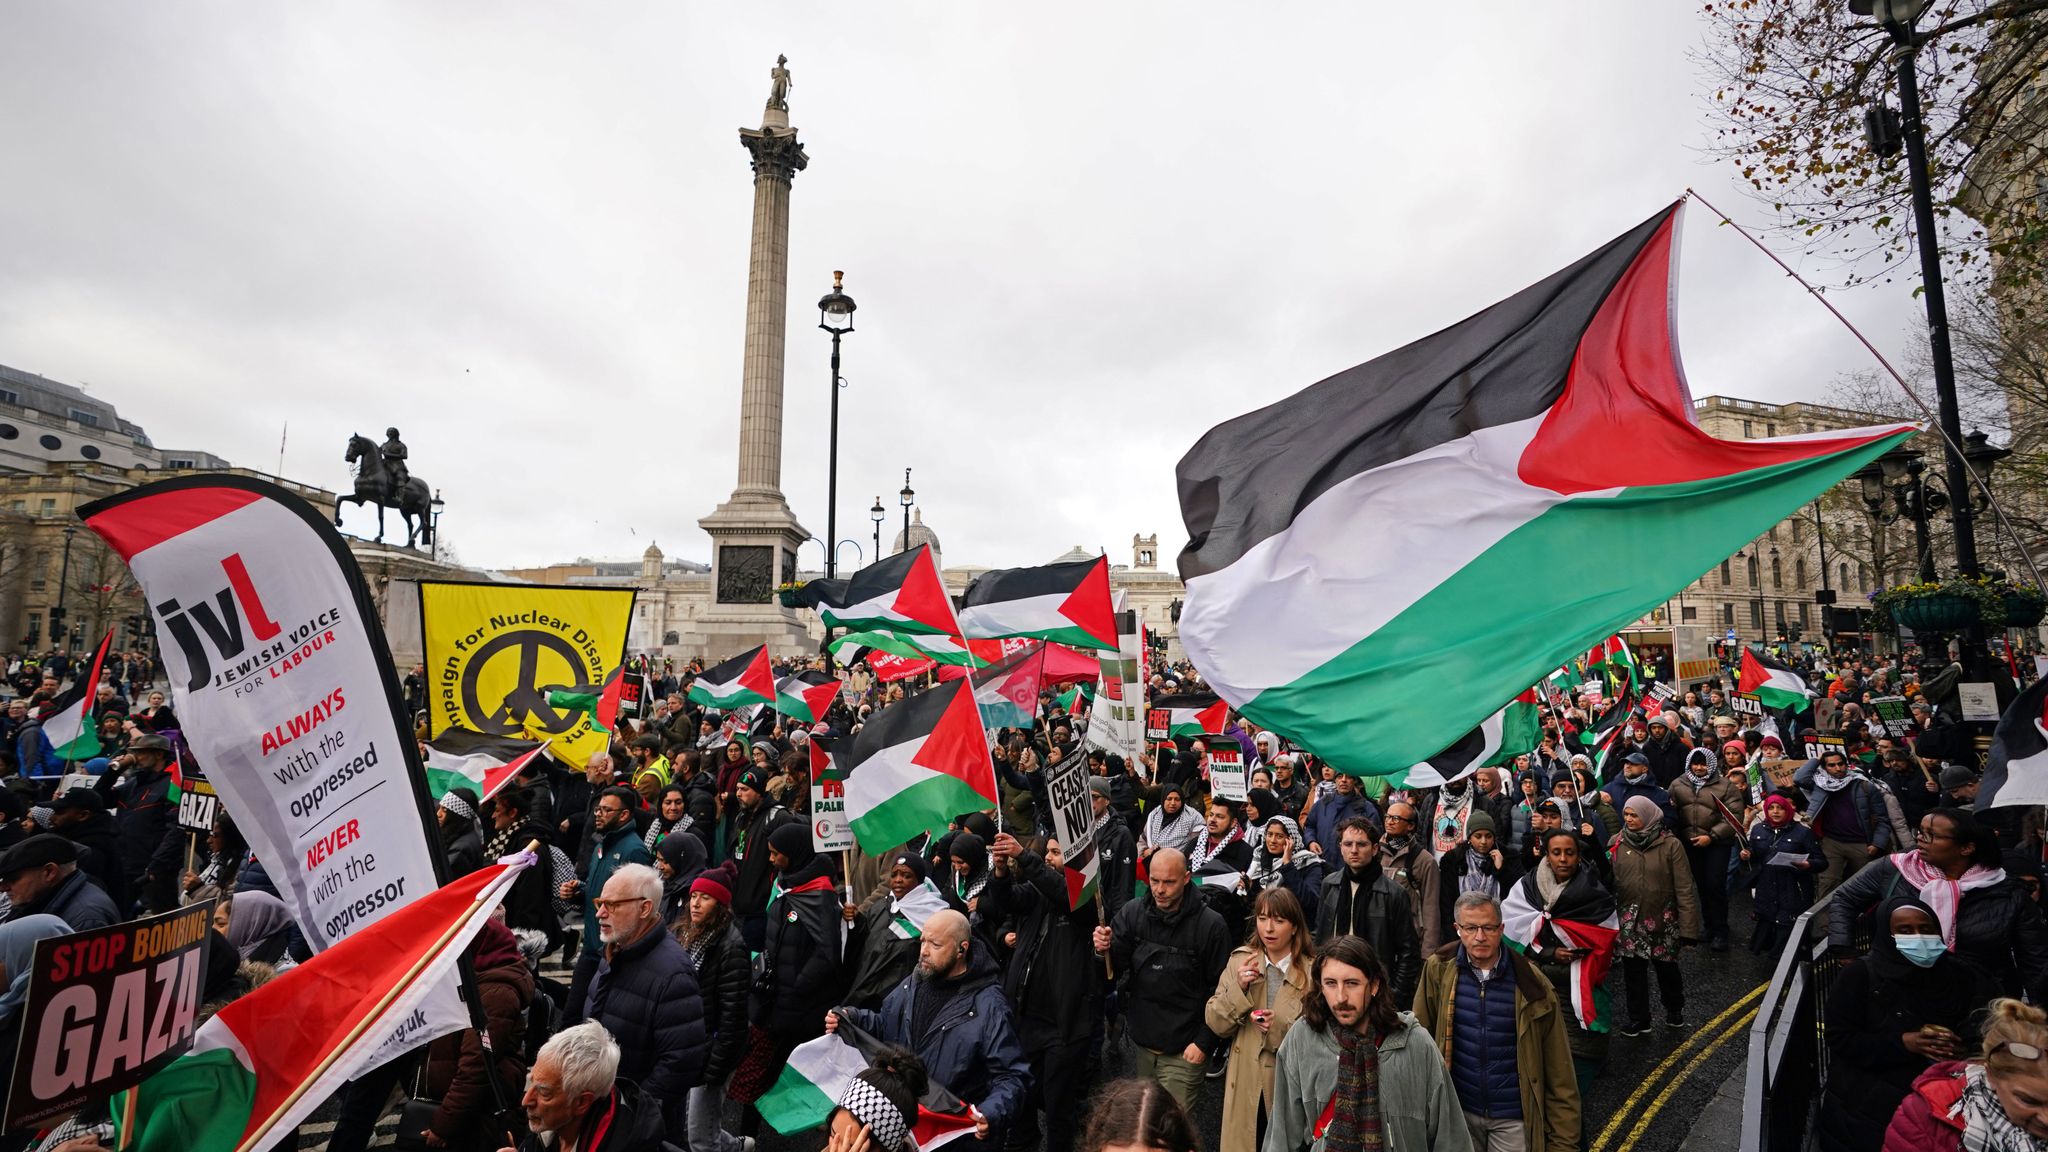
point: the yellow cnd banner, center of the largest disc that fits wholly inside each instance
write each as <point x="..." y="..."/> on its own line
<point x="495" y="651"/>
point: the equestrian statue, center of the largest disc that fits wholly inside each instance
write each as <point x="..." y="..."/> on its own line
<point x="382" y="479"/>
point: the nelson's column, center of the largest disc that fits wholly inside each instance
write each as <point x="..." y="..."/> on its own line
<point x="754" y="535"/>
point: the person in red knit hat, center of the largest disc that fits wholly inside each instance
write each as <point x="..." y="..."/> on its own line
<point x="724" y="971"/>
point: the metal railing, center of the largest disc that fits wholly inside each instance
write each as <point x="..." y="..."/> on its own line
<point x="1787" y="1067"/>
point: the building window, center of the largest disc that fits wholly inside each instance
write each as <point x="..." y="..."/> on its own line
<point x="1843" y="576"/>
<point x="50" y="442"/>
<point x="10" y="396"/>
<point x="1756" y="579"/>
<point x="1726" y="576"/>
<point x="20" y="506"/>
<point x="1862" y="575"/>
<point x="1799" y="571"/>
<point x="89" y="451"/>
<point x="1688" y="614"/>
<point x="1756" y="615"/>
<point x="1781" y="616"/>
<point x="1773" y="533"/>
<point x="1777" y="575"/>
<point x="1728" y="616"/>
<point x="1802" y="615"/>
<point x="89" y="419"/>
<point x="178" y="462"/>
<point x="1748" y="429"/>
<point x="1798" y="530"/>
<point x="35" y="623"/>
<point x="47" y="508"/>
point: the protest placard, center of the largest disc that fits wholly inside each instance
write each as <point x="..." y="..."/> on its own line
<point x="1227" y="776"/>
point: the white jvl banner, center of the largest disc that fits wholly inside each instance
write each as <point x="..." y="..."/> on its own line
<point x="287" y="697"/>
<point x="1117" y="721"/>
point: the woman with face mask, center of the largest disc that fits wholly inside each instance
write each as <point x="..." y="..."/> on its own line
<point x="1784" y="859"/>
<point x="1891" y="1015"/>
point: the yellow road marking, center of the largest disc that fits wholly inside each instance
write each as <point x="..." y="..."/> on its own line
<point x="1621" y="1114"/>
<point x="1663" y="1098"/>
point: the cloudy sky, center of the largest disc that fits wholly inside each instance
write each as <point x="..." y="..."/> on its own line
<point x="1079" y="235"/>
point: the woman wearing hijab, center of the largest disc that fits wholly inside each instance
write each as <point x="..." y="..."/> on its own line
<point x="1475" y="864"/>
<point x="1564" y="888"/>
<point x="680" y="859"/>
<point x="968" y="872"/>
<point x="881" y="957"/>
<point x="457" y="816"/>
<point x="1282" y="860"/>
<point x="1784" y="858"/>
<point x="671" y="815"/>
<point x="1171" y="825"/>
<point x="1989" y="1104"/>
<point x="1659" y="911"/>
<point x="1891" y="1015"/>
<point x="1709" y="828"/>
<point x="256" y="925"/>
<point x="1986" y="916"/>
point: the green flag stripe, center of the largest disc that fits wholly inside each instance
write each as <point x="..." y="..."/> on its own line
<point x="926" y="806"/>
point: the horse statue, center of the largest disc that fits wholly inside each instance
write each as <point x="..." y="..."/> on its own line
<point x="413" y="499"/>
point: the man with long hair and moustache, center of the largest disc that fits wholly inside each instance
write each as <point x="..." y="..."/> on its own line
<point x="1356" y="1074"/>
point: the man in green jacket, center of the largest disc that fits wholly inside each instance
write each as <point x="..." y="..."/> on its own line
<point x="1351" y="1039"/>
<point x="1501" y="1031"/>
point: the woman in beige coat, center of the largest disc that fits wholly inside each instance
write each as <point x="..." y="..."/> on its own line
<point x="1659" y="911"/>
<point x="1257" y="999"/>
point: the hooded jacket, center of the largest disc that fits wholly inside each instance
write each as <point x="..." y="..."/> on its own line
<point x="1053" y="981"/>
<point x="1332" y="811"/>
<point x="968" y="1043"/>
<point x="455" y="1062"/>
<point x="1667" y="757"/>
<point x="800" y="956"/>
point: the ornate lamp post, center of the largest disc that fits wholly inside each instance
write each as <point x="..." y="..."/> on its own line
<point x="907" y="497"/>
<point x="876" y="513"/>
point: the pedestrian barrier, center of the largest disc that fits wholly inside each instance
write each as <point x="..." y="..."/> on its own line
<point x="1788" y="1052"/>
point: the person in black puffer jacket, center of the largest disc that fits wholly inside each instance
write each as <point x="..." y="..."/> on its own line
<point x="1054" y="983"/>
<point x="645" y="993"/>
<point x="457" y="814"/>
<point x="800" y="963"/>
<point x="724" y="970"/>
<point x="530" y="905"/>
<point x="879" y="957"/>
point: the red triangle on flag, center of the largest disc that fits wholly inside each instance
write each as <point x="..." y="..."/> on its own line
<point x="958" y="745"/>
<point x="1089" y="604"/>
<point x="760" y="675"/>
<point x="923" y="597"/>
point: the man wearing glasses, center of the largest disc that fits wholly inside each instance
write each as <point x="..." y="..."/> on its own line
<point x="1509" y="1058"/>
<point x="645" y="994"/>
<point x="614" y="843"/>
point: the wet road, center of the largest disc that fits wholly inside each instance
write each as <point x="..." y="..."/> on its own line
<point x="1647" y="1099"/>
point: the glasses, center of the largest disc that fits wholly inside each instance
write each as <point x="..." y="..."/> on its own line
<point x="612" y="810"/>
<point x="1924" y="834"/>
<point x="614" y="905"/>
<point x="1391" y="818"/>
<point x="1480" y="929"/>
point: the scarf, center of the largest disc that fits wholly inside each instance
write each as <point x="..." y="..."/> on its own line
<point x="1354" y="1109"/>
<point x="1641" y="841"/>
<point x="972" y="886"/>
<point x="1939" y="892"/>
<point x="1351" y="905"/>
<point x="1478" y="875"/>
<point x="1832" y="785"/>
<point x="500" y="840"/>
<point x="1178" y="832"/>
<point x="1451" y="815"/>
<point x="697" y="947"/>
<point x="1203" y="851"/>
<point x="1986" y="1128"/>
<point x="1548" y="885"/>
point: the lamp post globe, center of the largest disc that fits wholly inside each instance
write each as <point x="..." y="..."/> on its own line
<point x="906" y="497"/>
<point x="876" y="513"/>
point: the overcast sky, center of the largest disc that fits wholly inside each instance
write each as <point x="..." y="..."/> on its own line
<point x="1079" y="235"/>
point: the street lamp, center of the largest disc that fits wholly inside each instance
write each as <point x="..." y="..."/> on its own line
<point x="1886" y="138"/>
<point x="835" y="315"/>
<point x="876" y="513"/>
<point x="907" y="497"/>
<point x="57" y="630"/>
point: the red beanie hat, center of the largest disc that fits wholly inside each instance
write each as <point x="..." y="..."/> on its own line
<point x="716" y="884"/>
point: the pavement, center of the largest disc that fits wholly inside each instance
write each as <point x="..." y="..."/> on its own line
<point x="1667" y="1091"/>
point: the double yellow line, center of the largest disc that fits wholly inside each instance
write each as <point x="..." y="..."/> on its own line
<point x="1731" y="1022"/>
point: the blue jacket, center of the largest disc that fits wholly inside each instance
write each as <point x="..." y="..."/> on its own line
<point x="969" y="1044"/>
<point x="645" y="995"/>
<point x="622" y="846"/>
<point x="1783" y="892"/>
<point x="1483" y="1067"/>
<point x="1332" y="811"/>
<point x="78" y="902"/>
<point x="1619" y="790"/>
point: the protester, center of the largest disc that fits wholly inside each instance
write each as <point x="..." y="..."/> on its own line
<point x="1359" y="899"/>
<point x="797" y="977"/>
<point x="1282" y="860"/>
<point x="463" y="1120"/>
<point x="724" y="970"/>
<point x="1053" y="984"/>
<point x="457" y="814"/>
<point x="1709" y="828"/>
<point x="1374" y="1068"/>
<point x="613" y="845"/>
<point x="881" y="955"/>
<point x="1330" y="813"/>
<point x="967" y="872"/>
<point x="953" y="1015"/>
<point x="258" y="925"/>
<point x="138" y="784"/>
<point x="755" y="820"/>
<point x="1993" y="1103"/>
<point x="1186" y="949"/>
<point x="1502" y="1032"/>
<point x="879" y="1107"/>
<point x="1848" y="812"/>
<point x="1412" y="864"/>
<point x="1474" y="865"/>
<point x="1116" y="849"/>
<point x="1257" y="999"/>
<point x="18" y="938"/>
<point x="645" y="994"/>
<point x="680" y="860"/>
<point x="1635" y="780"/>
<point x="575" y="1099"/>
<point x="1784" y="859"/>
<point x="1986" y="916"/>
<point x="80" y="815"/>
<point x="1138" y="1116"/>
<point x="1565" y="891"/>
<point x="1659" y="911"/>
<point x="1172" y="824"/>
<point x="1890" y="1015"/>
<point x="42" y="877"/>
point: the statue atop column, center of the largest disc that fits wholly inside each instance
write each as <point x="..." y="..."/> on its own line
<point x="778" y="90"/>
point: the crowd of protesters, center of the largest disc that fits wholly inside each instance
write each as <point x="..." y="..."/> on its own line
<point x="1329" y="954"/>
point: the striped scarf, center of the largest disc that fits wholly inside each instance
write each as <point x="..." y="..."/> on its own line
<point x="1354" y="1109"/>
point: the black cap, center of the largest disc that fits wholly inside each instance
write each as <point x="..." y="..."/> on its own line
<point x="36" y="851"/>
<point x="79" y="800"/>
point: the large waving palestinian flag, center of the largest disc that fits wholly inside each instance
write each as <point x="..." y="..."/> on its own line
<point x="1502" y="736"/>
<point x="1360" y="554"/>
<point x="915" y="766"/>
<point x="745" y="679"/>
<point x="460" y="758"/>
<point x="806" y="696"/>
<point x="1068" y="602"/>
<point x="1007" y="691"/>
<point x="902" y="594"/>
<point x="1191" y="715"/>
<point x="1776" y="686"/>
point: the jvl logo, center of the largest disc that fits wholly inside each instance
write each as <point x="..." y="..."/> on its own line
<point x="220" y="621"/>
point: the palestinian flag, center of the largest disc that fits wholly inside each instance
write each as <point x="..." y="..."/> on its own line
<point x="600" y="700"/>
<point x="266" y="1061"/>
<point x="1777" y="687"/>
<point x="2016" y="771"/>
<point x="804" y="1096"/>
<point x="907" y="916"/>
<point x="1500" y="737"/>
<point x="1068" y="602"/>
<point x="1007" y="692"/>
<point x="747" y="725"/>
<point x="1072" y="697"/>
<point x="1193" y="714"/>
<point x="1582" y="917"/>
<point x="744" y="679"/>
<point x="1220" y="877"/>
<point x="902" y="594"/>
<point x="460" y="758"/>
<point x="807" y="696"/>
<point x="1550" y="433"/>
<point x="67" y="720"/>
<point x="915" y="766"/>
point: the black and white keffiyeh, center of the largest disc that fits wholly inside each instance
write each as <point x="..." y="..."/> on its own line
<point x="884" y="1121"/>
